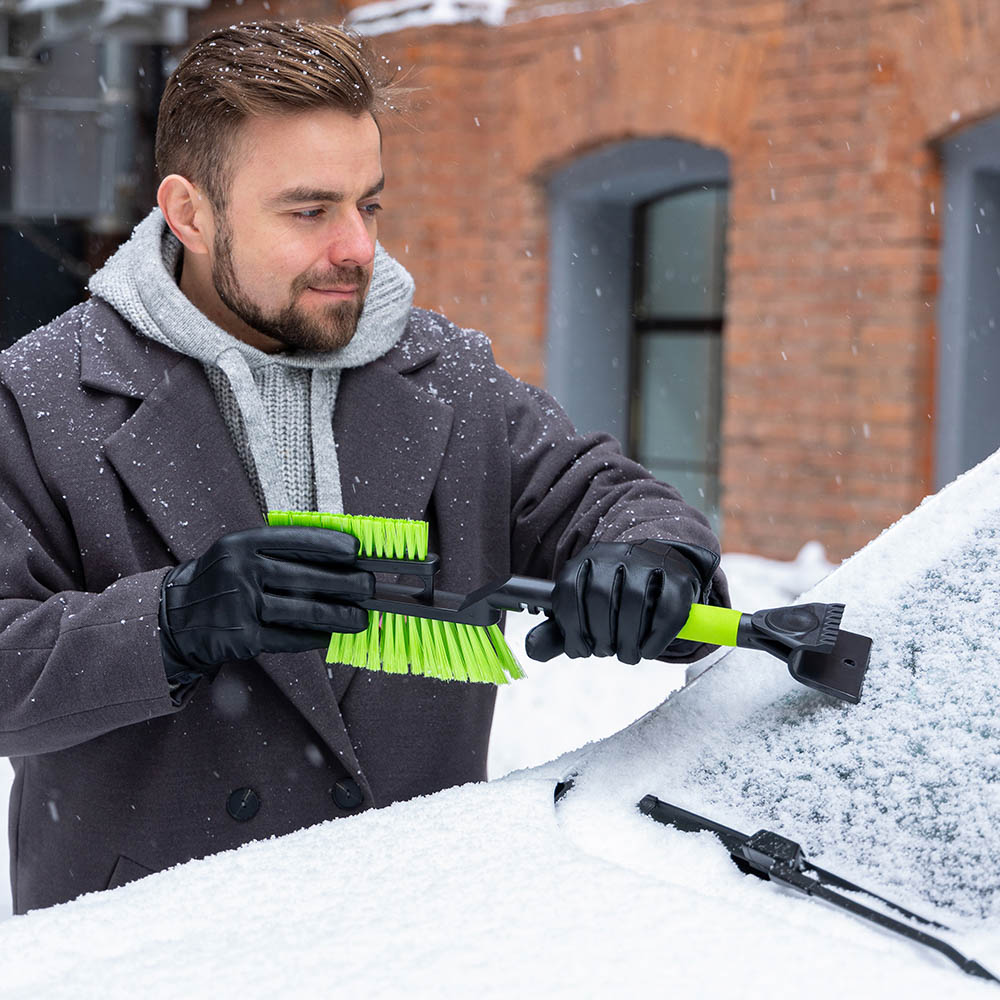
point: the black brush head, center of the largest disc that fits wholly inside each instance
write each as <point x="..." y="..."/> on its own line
<point x="840" y="673"/>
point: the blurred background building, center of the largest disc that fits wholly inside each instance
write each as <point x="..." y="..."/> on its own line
<point x="757" y="240"/>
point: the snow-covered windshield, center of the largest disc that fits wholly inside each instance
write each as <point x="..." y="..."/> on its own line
<point x="902" y="792"/>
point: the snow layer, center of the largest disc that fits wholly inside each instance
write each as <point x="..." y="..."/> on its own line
<point x="493" y="890"/>
<point x="477" y="891"/>
<point x="385" y="16"/>
<point x="899" y="793"/>
<point x="907" y="784"/>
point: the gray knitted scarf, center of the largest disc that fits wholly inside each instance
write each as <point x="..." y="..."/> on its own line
<point x="278" y="407"/>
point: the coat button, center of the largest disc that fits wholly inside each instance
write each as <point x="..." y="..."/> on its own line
<point x="243" y="804"/>
<point x="347" y="794"/>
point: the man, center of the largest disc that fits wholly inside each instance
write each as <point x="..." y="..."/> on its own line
<point x="163" y="690"/>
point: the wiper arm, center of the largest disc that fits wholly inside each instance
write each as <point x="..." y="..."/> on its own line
<point x="770" y="856"/>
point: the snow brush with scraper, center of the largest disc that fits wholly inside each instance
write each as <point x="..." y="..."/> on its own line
<point x="807" y="637"/>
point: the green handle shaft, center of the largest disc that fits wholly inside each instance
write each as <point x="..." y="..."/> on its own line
<point x="711" y="624"/>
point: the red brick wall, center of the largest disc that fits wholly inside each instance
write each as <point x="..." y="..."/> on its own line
<point x="827" y="110"/>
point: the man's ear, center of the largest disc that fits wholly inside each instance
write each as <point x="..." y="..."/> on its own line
<point x="187" y="211"/>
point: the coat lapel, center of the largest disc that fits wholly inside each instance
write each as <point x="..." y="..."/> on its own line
<point x="391" y="439"/>
<point x="177" y="459"/>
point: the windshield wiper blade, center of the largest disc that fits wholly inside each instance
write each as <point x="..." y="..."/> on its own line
<point x="770" y="856"/>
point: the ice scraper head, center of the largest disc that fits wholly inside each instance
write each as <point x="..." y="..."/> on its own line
<point x="840" y="672"/>
<point x="808" y="637"/>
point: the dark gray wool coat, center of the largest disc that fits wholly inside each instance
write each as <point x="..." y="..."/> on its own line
<point x="115" y="464"/>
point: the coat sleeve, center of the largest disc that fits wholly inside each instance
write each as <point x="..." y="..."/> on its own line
<point x="73" y="665"/>
<point x="570" y="489"/>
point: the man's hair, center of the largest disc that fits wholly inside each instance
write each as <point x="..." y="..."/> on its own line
<point x="262" y="68"/>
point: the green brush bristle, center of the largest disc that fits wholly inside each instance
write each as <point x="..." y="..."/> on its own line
<point x="381" y="537"/>
<point x="507" y="661"/>
<point x="400" y="644"/>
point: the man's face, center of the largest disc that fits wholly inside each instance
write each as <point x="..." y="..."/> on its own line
<point x="293" y="253"/>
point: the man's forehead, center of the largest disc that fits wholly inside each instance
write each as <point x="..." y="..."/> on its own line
<point x="298" y="193"/>
<point x="344" y="151"/>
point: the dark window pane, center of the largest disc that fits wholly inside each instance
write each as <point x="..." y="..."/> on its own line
<point x="676" y="412"/>
<point x="682" y="267"/>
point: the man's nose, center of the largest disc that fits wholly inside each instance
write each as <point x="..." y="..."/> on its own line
<point x="353" y="243"/>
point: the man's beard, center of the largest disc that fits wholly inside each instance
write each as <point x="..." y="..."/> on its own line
<point x="332" y="329"/>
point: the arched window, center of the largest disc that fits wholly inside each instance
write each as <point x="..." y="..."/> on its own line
<point x="637" y="236"/>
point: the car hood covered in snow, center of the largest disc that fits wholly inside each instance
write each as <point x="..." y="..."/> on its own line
<point x="493" y="890"/>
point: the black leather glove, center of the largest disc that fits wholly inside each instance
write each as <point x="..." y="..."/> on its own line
<point x="624" y="599"/>
<point x="264" y="590"/>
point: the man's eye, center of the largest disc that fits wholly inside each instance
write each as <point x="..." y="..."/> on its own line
<point x="308" y="213"/>
<point x="372" y="209"/>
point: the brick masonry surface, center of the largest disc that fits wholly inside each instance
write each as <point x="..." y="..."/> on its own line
<point x="828" y="111"/>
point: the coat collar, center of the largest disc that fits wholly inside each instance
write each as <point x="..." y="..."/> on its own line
<point x="178" y="461"/>
<point x="391" y="436"/>
<point x="116" y="360"/>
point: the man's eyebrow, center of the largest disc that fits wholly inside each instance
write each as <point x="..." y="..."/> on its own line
<point x="295" y="195"/>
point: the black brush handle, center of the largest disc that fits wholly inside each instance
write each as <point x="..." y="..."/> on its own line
<point x="778" y="631"/>
<point x="523" y="593"/>
<point x="706" y="623"/>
